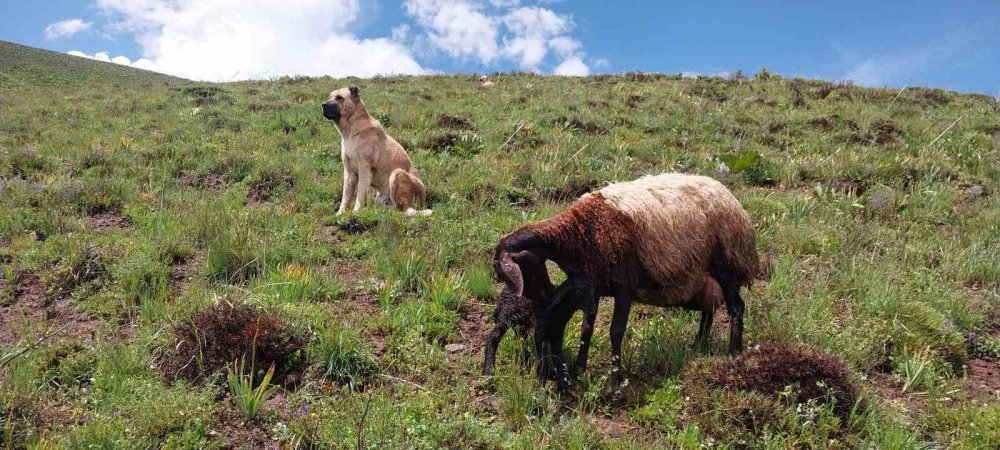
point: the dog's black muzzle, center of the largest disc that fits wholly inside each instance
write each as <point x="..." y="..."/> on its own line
<point x="331" y="111"/>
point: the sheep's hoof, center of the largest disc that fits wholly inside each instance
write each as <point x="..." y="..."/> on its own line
<point x="486" y="383"/>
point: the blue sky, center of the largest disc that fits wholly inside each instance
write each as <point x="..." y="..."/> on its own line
<point x="955" y="45"/>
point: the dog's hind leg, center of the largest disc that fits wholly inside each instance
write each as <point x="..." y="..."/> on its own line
<point x="403" y="189"/>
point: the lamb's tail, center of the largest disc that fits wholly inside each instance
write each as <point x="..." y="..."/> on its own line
<point x="406" y="190"/>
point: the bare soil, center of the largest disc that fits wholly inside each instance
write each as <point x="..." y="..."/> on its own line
<point x="108" y="220"/>
<point x="983" y="380"/>
<point x="32" y="307"/>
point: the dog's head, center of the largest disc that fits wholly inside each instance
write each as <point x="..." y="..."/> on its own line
<point x="342" y="103"/>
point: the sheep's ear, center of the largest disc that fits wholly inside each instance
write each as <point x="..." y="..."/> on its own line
<point x="510" y="273"/>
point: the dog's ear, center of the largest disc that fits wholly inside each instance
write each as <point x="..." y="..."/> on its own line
<point x="355" y="91"/>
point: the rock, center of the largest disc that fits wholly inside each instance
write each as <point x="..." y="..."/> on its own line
<point x="454" y="348"/>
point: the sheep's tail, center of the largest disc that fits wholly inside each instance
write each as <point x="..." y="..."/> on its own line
<point x="406" y="190"/>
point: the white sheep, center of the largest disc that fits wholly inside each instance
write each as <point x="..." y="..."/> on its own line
<point x="655" y="240"/>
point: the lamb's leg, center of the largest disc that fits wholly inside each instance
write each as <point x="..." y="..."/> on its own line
<point x="492" y="343"/>
<point x="735" y="306"/>
<point x="619" y="323"/>
<point x="704" y="329"/>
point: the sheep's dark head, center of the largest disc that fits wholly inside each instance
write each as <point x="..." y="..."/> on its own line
<point x="519" y="264"/>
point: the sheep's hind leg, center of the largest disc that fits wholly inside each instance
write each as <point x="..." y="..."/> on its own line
<point x="619" y="323"/>
<point x="735" y="307"/>
<point x="704" y="329"/>
<point x="586" y="333"/>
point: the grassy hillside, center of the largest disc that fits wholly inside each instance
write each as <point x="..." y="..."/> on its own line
<point x="135" y="209"/>
<point x="26" y="68"/>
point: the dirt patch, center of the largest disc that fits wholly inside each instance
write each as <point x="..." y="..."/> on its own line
<point x="473" y="326"/>
<point x="830" y="122"/>
<point x="33" y="307"/>
<point x="973" y="190"/>
<point x="634" y="100"/>
<point x="260" y="192"/>
<point x="355" y="225"/>
<point x="456" y="122"/>
<point x="110" y="219"/>
<point x="579" y="125"/>
<point x="983" y="380"/>
<point x="882" y="132"/>
<point x="359" y="303"/>
<point x="183" y="272"/>
<point x="442" y="143"/>
<point x="848" y="187"/>
<point x="209" y="181"/>
<point x="240" y="433"/>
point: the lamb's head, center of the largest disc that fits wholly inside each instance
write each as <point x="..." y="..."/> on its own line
<point x="514" y="311"/>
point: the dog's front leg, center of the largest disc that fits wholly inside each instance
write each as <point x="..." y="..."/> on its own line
<point x="364" y="181"/>
<point x="350" y="183"/>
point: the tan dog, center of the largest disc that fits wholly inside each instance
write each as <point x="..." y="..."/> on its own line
<point x="371" y="157"/>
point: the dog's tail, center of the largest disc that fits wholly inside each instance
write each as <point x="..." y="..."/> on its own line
<point x="406" y="190"/>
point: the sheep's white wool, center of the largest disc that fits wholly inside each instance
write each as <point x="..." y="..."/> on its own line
<point x="680" y="218"/>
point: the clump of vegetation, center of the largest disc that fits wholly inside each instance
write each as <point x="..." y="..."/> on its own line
<point x="342" y="357"/>
<point x="752" y="392"/>
<point x="248" y="397"/>
<point x="211" y="340"/>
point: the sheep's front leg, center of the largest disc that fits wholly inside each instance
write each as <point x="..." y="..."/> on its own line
<point x="619" y="323"/>
<point x="364" y="181"/>
<point x="559" y="315"/>
<point x="540" y="335"/>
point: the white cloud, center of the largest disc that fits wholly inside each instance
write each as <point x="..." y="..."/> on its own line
<point x="457" y="27"/>
<point x="122" y="60"/>
<point x="892" y="68"/>
<point x="223" y="40"/>
<point x="65" y="29"/>
<point x="527" y="35"/>
<point x="572" y="67"/>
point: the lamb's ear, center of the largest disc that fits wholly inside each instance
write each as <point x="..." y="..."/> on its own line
<point x="510" y="273"/>
<point x="355" y="91"/>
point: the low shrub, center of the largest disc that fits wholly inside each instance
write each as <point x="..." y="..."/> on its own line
<point x="213" y="339"/>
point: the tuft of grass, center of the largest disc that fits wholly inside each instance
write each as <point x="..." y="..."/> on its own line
<point x="342" y="357"/>
<point x="249" y="399"/>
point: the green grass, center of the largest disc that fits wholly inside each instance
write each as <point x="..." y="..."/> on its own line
<point x="876" y="251"/>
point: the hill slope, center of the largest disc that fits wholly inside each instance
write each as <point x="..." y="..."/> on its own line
<point x="130" y="218"/>
<point x="24" y="67"/>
